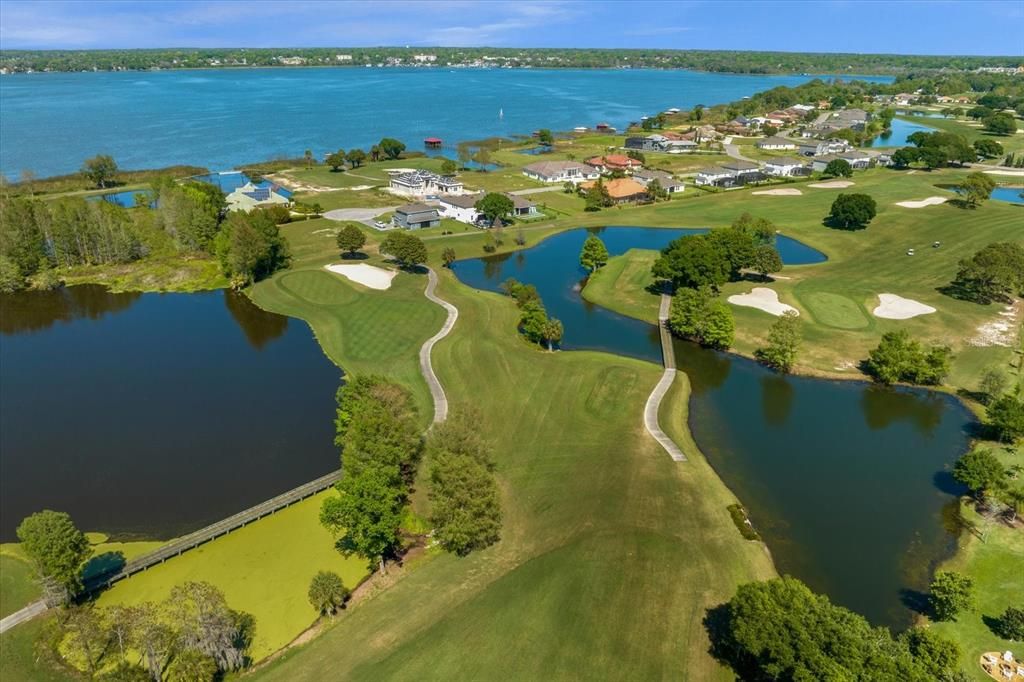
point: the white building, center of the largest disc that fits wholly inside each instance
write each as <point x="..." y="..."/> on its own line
<point x="785" y="166"/>
<point x="775" y="143"/>
<point x="461" y="207"/>
<point x="561" y="171"/>
<point x="421" y="183"/>
<point x="714" y="176"/>
<point x="424" y="58"/>
<point x="249" y="196"/>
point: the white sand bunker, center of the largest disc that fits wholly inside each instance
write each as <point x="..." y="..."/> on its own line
<point x="930" y="201"/>
<point x="764" y="299"/>
<point x="790" y="192"/>
<point x="893" y="307"/>
<point x="834" y="184"/>
<point x="367" y="275"/>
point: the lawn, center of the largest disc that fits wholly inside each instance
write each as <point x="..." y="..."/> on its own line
<point x="263" y="569"/>
<point x="610" y="552"/>
<point x="17" y="587"/>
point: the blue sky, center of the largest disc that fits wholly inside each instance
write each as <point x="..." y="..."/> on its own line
<point x="993" y="27"/>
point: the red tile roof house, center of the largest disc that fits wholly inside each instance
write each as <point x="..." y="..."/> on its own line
<point x="621" y="190"/>
<point x="614" y="162"/>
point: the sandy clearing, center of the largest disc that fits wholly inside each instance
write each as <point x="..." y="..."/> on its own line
<point x="1008" y="171"/>
<point x="921" y="203"/>
<point x="893" y="307"/>
<point x="780" y="192"/>
<point x="764" y="299"/>
<point x="1001" y="331"/>
<point x="368" y="275"/>
<point x="833" y="184"/>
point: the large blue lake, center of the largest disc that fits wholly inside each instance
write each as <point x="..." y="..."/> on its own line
<point x="51" y="122"/>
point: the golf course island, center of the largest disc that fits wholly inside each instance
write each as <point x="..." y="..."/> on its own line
<point x="732" y="389"/>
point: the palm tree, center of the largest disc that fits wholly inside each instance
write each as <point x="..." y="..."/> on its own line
<point x="308" y="155"/>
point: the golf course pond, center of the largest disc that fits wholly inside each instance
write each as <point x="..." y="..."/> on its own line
<point x="847" y="482"/>
<point x="154" y="414"/>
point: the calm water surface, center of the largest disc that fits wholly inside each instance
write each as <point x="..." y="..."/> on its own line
<point x="901" y="130"/>
<point x="847" y="482"/>
<point x="51" y="122"/>
<point x="154" y="414"/>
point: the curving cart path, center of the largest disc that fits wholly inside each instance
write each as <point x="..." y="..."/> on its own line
<point x="436" y="390"/>
<point x="654" y="400"/>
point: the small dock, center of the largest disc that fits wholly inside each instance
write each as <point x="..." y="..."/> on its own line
<point x="668" y="376"/>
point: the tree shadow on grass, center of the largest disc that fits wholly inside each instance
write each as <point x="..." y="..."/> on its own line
<point x="358" y="255"/>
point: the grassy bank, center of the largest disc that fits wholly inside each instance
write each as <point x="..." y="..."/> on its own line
<point x="610" y="552"/>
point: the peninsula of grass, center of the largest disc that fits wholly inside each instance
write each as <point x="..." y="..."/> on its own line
<point x="610" y="551"/>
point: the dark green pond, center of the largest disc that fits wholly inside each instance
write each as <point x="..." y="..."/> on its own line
<point x="154" y="414"/>
<point x="847" y="482"/>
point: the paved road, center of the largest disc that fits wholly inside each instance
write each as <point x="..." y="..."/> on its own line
<point x="436" y="390"/>
<point x="537" y="190"/>
<point x="734" y="151"/>
<point x="654" y="400"/>
<point x="359" y="215"/>
<point x="18" y="617"/>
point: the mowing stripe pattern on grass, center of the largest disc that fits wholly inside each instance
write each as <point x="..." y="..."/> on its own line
<point x="436" y="390"/>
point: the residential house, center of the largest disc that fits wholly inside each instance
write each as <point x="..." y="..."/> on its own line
<point x="783" y="115"/>
<point x="741" y="122"/>
<point x="743" y="171"/>
<point x="760" y="121"/>
<point x="775" y="143"/>
<point x="644" y="144"/>
<point x="560" y="171"/>
<point x="716" y="176"/>
<point x="621" y="190"/>
<point x="611" y="162"/>
<point x="819" y="147"/>
<point x="522" y="207"/>
<point x="904" y="98"/>
<point x="461" y="207"/>
<point x="857" y="160"/>
<point x="785" y="167"/>
<point x="422" y="183"/>
<point x="249" y="196"/>
<point x="668" y="183"/>
<point x="416" y="216"/>
<point x="850" y="118"/>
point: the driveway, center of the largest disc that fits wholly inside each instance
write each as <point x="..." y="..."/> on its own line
<point x="359" y="215"/>
<point x="733" y="150"/>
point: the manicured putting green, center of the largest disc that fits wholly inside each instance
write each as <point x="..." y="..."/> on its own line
<point x="834" y="310"/>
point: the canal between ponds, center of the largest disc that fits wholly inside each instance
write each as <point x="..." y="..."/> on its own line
<point x="847" y="482"/>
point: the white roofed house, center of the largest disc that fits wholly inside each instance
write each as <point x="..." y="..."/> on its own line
<point x="421" y="183"/>
<point x="819" y="147"/>
<point x="857" y="160"/>
<point x="743" y="171"/>
<point x="667" y="182"/>
<point x="561" y="171"/>
<point x="461" y="207"/>
<point x="785" y="167"/>
<point x="715" y="176"/>
<point x="249" y="196"/>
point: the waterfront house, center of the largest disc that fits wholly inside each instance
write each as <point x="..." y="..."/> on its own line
<point x="850" y="118"/>
<point x="775" y="143"/>
<point x="560" y="171"/>
<point x="785" y="166"/>
<point x="668" y="183"/>
<point x="415" y="216"/>
<point x="249" y="196"/>
<point x="461" y="207"/>
<point x="715" y="176"/>
<point x="621" y="190"/>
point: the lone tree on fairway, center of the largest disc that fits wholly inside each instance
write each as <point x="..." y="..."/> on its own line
<point x="327" y="593"/>
<point x="356" y="157"/>
<point x="995" y="273"/>
<point x="1011" y="624"/>
<point x="100" y="169"/>
<point x="405" y="248"/>
<point x="1000" y="124"/>
<point x="552" y="332"/>
<point x="350" y="239"/>
<point x="838" y="168"/>
<point x="336" y="160"/>
<point x="448" y="167"/>
<point x="783" y="342"/>
<point x="852" y="211"/>
<point x="976" y="188"/>
<point x="990" y="149"/>
<point x="448" y="256"/>
<point x="391" y="147"/>
<point x="950" y="593"/>
<point x="57" y="550"/>
<point x="495" y="206"/>
<point x="594" y="254"/>
<point x="766" y="260"/>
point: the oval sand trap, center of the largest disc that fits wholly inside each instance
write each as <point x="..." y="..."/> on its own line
<point x="893" y="307"/>
<point x="367" y="275"/>
<point x="834" y="184"/>
<point x="790" y="192"/>
<point x="930" y="201"/>
<point x="764" y="299"/>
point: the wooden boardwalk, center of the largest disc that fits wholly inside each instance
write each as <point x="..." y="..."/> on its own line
<point x="668" y="376"/>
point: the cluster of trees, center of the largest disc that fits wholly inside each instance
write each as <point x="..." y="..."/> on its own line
<point x="193" y="635"/>
<point x="354" y="157"/>
<point x="994" y="273"/>
<point x="699" y="315"/>
<point x="838" y="168"/>
<point x="380" y="445"/>
<point x="901" y="358"/>
<point x="989" y="481"/>
<point x="935" y="150"/>
<point x="465" y="508"/>
<point x="1005" y="417"/>
<point x="250" y="247"/>
<point x="852" y="211"/>
<point x="780" y="630"/>
<point x="407" y="249"/>
<point x="496" y="208"/>
<point x="534" y="322"/>
<point x="720" y="256"/>
<point x="975" y="189"/>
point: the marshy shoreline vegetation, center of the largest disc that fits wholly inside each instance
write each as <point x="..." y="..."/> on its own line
<point x="553" y="535"/>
